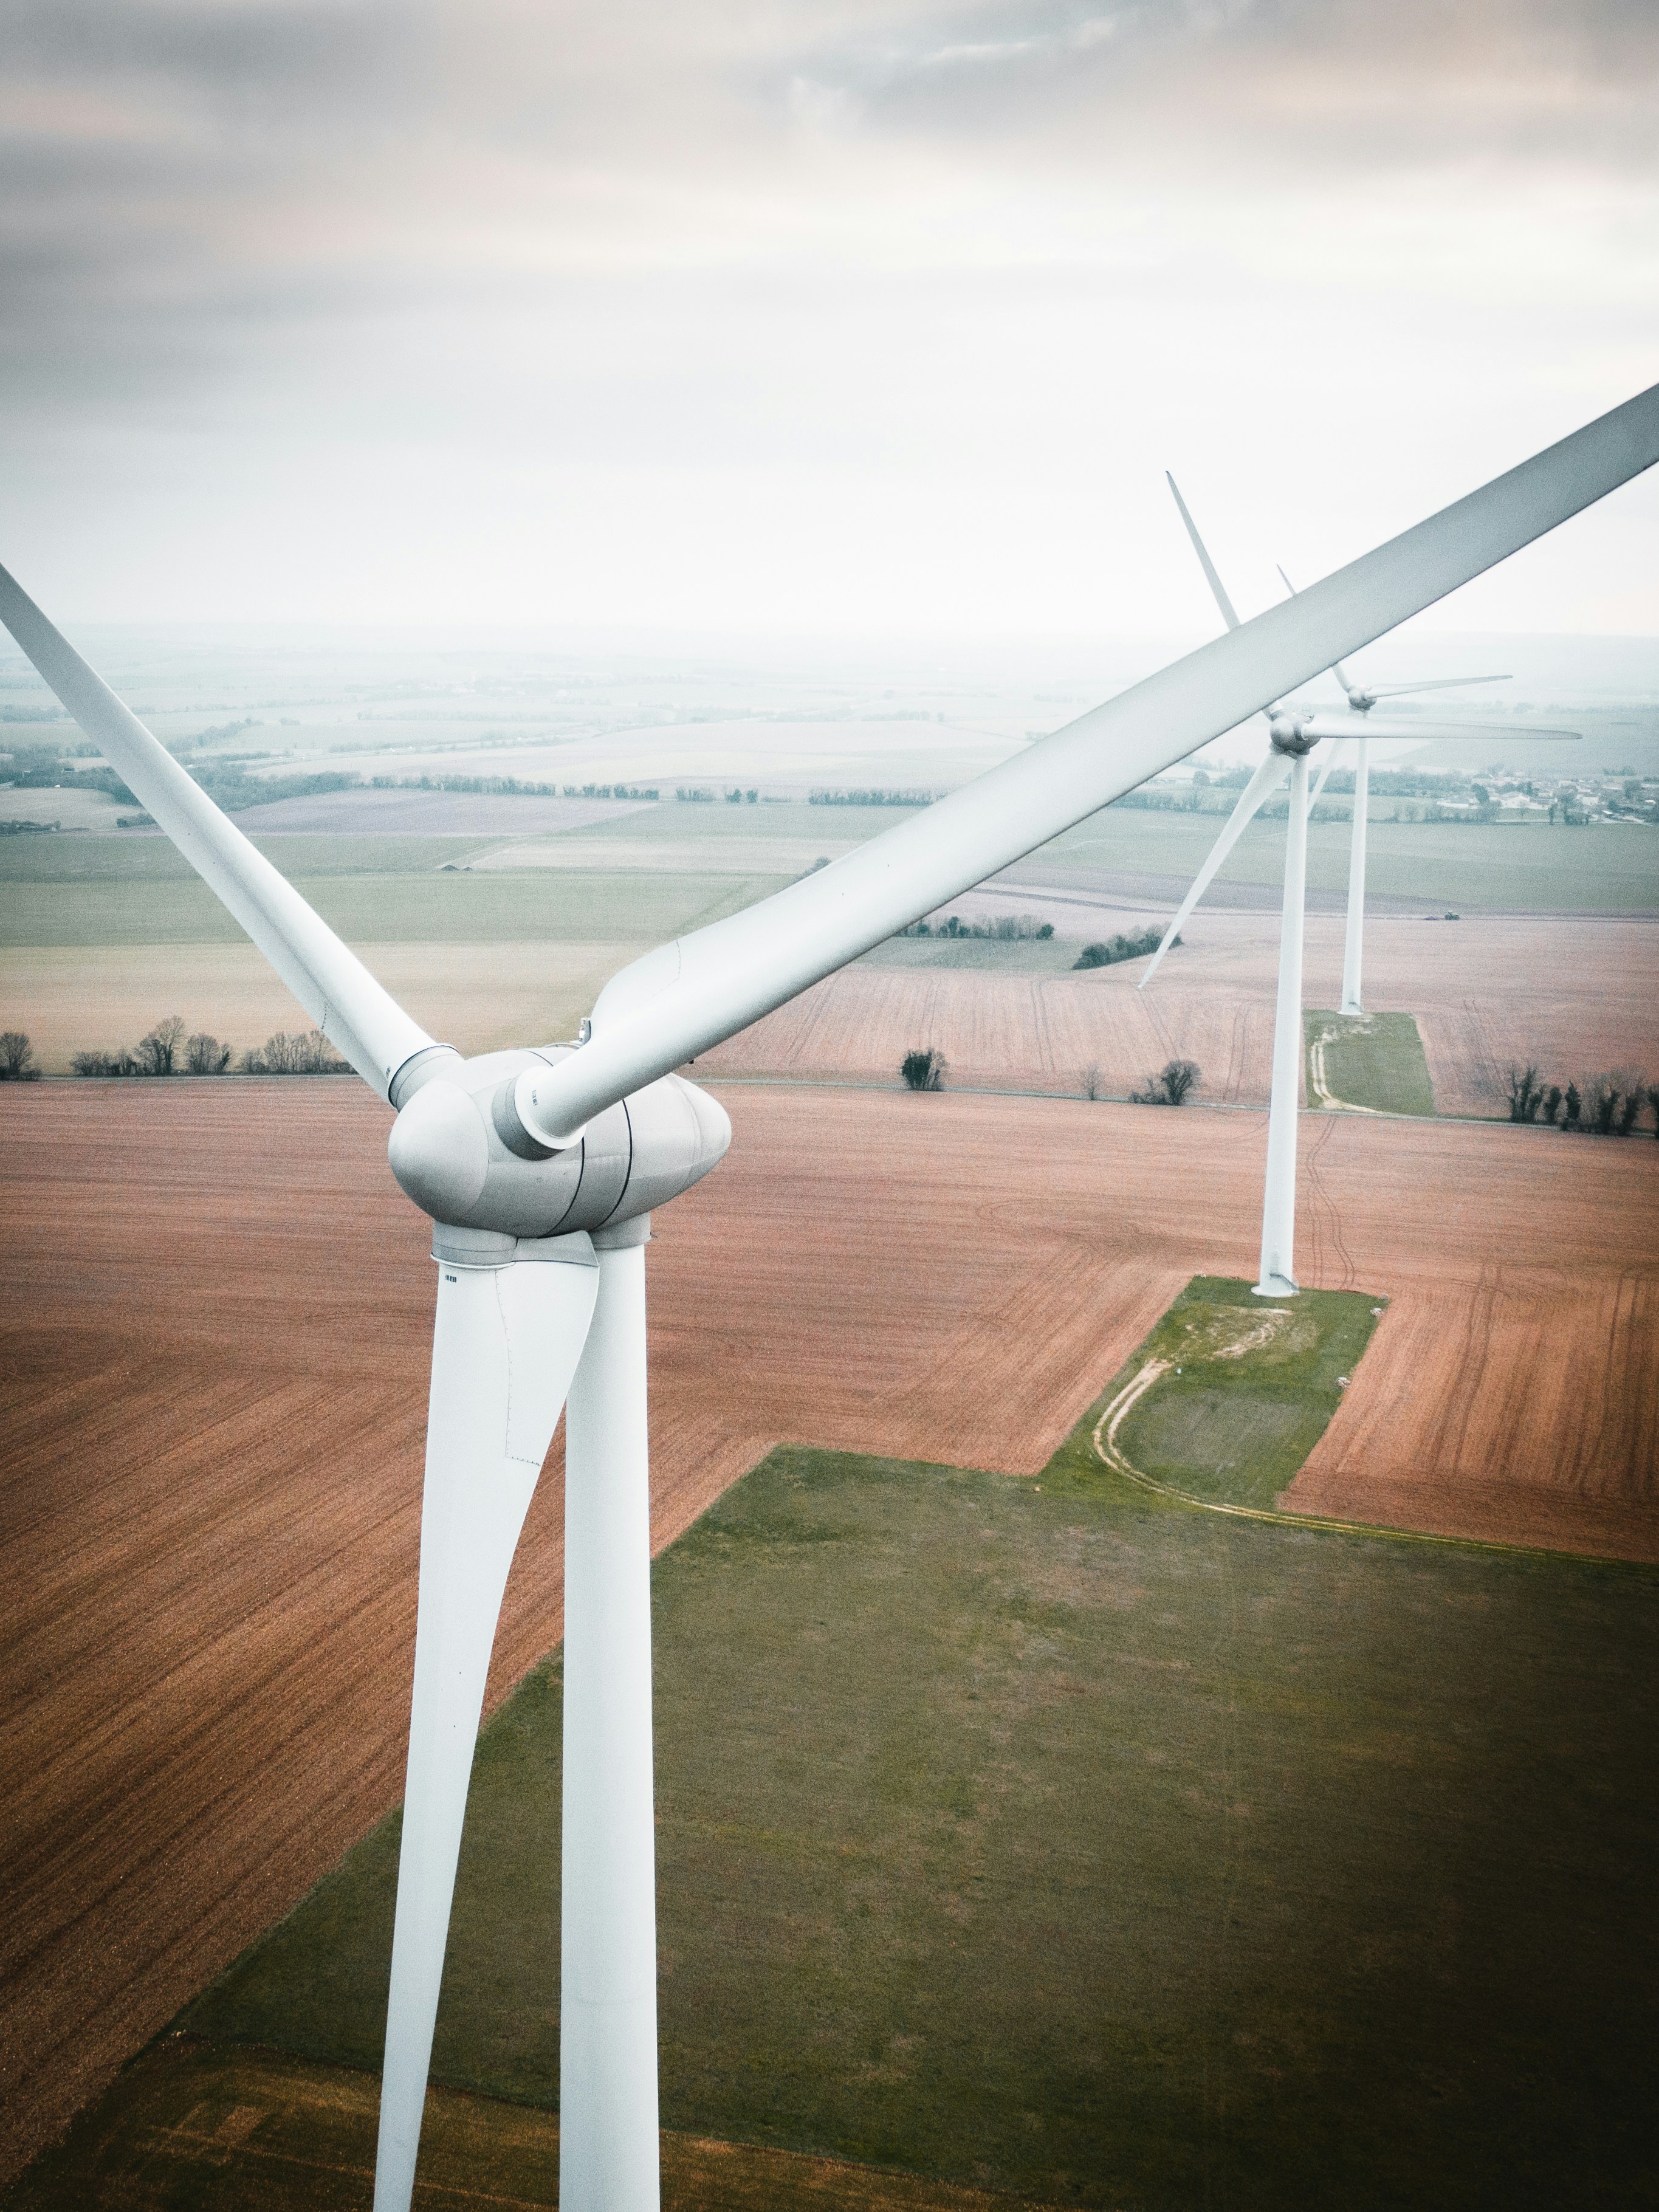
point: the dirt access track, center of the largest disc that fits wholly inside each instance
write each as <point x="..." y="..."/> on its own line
<point x="217" y="1332"/>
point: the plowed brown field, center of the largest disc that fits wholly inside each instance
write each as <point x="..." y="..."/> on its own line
<point x="215" y="1336"/>
<point x="1578" y="997"/>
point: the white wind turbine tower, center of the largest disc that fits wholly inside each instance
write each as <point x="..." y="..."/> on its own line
<point x="539" y="1169"/>
<point x="1292" y="736"/>
<point x="1361" y="700"/>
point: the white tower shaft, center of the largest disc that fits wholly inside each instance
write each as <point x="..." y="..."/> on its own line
<point x="1278" y="1275"/>
<point x="608" y="2152"/>
<point x="1353" y="942"/>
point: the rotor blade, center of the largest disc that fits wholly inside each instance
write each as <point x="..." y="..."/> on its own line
<point x="348" y="1006"/>
<point x="1324" y="774"/>
<point x="1439" y="683"/>
<point x="685" y="997"/>
<point x="1379" y="725"/>
<point x="505" y="1346"/>
<point x="1204" y="560"/>
<point x="1254" y="795"/>
<point x="1337" y="669"/>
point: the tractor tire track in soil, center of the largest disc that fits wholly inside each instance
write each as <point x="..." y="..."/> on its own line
<point x="1332" y="1264"/>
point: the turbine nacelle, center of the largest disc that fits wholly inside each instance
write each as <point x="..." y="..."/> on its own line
<point x="1292" y="735"/>
<point x="460" y="1151"/>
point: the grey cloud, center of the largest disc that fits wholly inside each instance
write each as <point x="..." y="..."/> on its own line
<point x="1341" y="79"/>
<point x="259" y="54"/>
<point x="184" y="187"/>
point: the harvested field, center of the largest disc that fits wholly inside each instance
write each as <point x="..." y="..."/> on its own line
<point x="1486" y="991"/>
<point x="212" y="1449"/>
<point x="685" y="856"/>
<point x="70" y="810"/>
<point x="429" y="813"/>
<point x="1508" y="869"/>
<point x="782" y="755"/>
<point x="74" y="997"/>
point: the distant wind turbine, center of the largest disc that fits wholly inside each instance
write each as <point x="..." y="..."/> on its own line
<point x="540" y="1170"/>
<point x="1292" y="735"/>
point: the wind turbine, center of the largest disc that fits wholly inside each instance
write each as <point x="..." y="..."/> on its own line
<point x="1292" y="735"/>
<point x="539" y="1169"/>
<point x="1361" y="700"/>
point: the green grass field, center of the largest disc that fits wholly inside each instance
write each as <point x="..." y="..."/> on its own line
<point x="147" y="859"/>
<point x="1375" y="1060"/>
<point x="1248" y="1387"/>
<point x="1054" y="1838"/>
<point x="1521" y="868"/>
<point x="387" y="907"/>
<point x="1028" y="956"/>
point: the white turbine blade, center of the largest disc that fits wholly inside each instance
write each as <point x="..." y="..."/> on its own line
<point x="1256" y="794"/>
<point x="350" y="1008"/>
<point x="1205" y="561"/>
<point x="1324" y="774"/>
<point x="504" y="1349"/>
<point x="686" y="997"/>
<point x="1439" y="683"/>
<point x="1379" y="725"/>
<point x="1337" y="669"/>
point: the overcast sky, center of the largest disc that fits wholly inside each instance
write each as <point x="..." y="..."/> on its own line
<point x="843" y="317"/>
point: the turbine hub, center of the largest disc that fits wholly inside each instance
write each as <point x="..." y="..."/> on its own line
<point x="460" y="1151"/>
<point x="1289" y="736"/>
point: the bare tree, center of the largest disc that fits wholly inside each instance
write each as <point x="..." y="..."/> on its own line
<point x="1171" y="1086"/>
<point x="310" y="1053"/>
<point x="1178" y="1078"/>
<point x="1526" y="1094"/>
<point x="205" y="1056"/>
<point x="17" y="1058"/>
<point x="158" y="1051"/>
<point x="1091" y="1081"/>
<point x="1601" y="1104"/>
<point x="923" y="1070"/>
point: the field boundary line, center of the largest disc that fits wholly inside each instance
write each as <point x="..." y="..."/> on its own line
<point x="714" y="1077"/>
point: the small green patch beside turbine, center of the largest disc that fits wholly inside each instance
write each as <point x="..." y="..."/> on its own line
<point x="1366" y="1064"/>
<point x="1229" y="1394"/>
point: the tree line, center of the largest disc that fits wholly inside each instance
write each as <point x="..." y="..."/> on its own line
<point x="1606" y="1106"/>
<point x="1003" y="928"/>
<point x="874" y="798"/>
<point x="1115" y="948"/>
<point x="166" y="1050"/>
